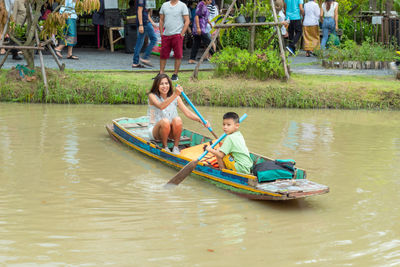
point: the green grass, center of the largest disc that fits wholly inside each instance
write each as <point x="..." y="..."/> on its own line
<point x="127" y="87"/>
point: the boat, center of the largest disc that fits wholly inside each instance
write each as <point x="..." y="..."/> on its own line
<point x="133" y="133"/>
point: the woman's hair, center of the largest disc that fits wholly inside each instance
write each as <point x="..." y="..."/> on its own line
<point x="328" y="4"/>
<point x="156" y="85"/>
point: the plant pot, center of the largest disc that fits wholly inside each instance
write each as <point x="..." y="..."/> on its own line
<point x="240" y="19"/>
<point x="377" y="65"/>
<point x="367" y="64"/>
<point x="261" y="19"/>
<point x="248" y="19"/>
<point x="358" y="65"/>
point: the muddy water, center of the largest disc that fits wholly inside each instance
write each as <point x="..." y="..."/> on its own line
<point x="70" y="196"/>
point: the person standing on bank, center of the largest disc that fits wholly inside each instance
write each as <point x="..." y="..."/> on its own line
<point x="329" y="19"/>
<point x="310" y="27"/>
<point x="71" y="35"/>
<point x="98" y="22"/>
<point x="18" y="16"/>
<point x="145" y="26"/>
<point x="174" y="19"/>
<point x="199" y="29"/>
<point x="294" y="10"/>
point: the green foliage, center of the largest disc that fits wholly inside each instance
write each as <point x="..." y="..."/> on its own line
<point x="361" y="31"/>
<point x="396" y="5"/>
<point x="262" y="64"/>
<point x="236" y="37"/>
<point x="350" y="51"/>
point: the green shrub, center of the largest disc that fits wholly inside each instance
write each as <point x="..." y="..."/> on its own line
<point x="350" y="51"/>
<point x="262" y="64"/>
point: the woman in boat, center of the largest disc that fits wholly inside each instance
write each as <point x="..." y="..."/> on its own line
<point x="164" y="121"/>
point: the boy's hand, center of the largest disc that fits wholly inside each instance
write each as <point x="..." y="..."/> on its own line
<point x="210" y="149"/>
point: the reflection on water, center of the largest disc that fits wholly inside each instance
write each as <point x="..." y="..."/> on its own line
<point x="71" y="196"/>
<point x="71" y="149"/>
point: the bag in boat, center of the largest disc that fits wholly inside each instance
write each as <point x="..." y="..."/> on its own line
<point x="269" y="170"/>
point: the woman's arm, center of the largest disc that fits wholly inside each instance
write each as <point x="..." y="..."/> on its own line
<point x="322" y="15"/>
<point x="336" y="17"/>
<point x="162" y="105"/>
<point x="188" y="113"/>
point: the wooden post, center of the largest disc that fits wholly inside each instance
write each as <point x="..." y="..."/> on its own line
<point x="282" y="50"/>
<point x="4" y="58"/>
<point x="60" y="66"/>
<point x="231" y="25"/>
<point x="46" y="86"/>
<point x="253" y="29"/>
<point x="196" y="69"/>
<point x="3" y="34"/>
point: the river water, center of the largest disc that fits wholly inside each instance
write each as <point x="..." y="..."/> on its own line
<point x="71" y="196"/>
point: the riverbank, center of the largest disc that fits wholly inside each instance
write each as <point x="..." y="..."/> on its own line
<point x="119" y="87"/>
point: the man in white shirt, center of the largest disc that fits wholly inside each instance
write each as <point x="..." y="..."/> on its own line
<point x="174" y="21"/>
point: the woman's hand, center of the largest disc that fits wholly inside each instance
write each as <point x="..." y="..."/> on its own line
<point x="207" y="125"/>
<point x="198" y="31"/>
<point x="178" y="90"/>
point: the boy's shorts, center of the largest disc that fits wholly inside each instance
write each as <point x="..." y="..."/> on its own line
<point x="229" y="162"/>
<point x="174" y="42"/>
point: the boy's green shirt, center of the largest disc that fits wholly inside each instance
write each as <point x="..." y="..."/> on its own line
<point x="234" y="144"/>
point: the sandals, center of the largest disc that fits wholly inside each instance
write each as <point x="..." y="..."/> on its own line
<point x="139" y="66"/>
<point x="73" y="57"/>
<point x="146" y="62"/>
<point x="191" y="61"/>
<point x="58" y="53"/>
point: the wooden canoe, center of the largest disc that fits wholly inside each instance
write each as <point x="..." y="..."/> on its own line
<point x="133" y="132"/>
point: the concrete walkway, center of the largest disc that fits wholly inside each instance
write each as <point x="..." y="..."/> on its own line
<point x="91" y="59"/>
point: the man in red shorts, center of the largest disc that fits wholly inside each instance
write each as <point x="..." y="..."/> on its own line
<point x="174" y="19"/>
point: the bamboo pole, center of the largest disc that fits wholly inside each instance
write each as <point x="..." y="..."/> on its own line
<point x="196" y="69"/>
<point x="253" y="29"/>
<point x="219" y="26"/>
<point x="4" y="58"/>
<point x="278" y="30"/>
<point x="22" y="47"/>
<point x="3" y="34"/>
<point x="60" y="66"/>
<point x="46" y="86"/>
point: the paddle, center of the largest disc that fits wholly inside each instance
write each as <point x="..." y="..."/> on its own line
<point x="197" y="112"/>
<point x="185" y="171"/>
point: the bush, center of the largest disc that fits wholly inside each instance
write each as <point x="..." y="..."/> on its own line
<point x="350" y="51"/>
<point x="262" y="64"/>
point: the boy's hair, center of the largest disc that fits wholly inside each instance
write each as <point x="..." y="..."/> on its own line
<point x="231" y="115"/>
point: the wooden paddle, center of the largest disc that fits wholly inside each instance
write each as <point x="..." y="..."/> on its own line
<point x="185" y="171"/>
<point x="198" y="113"/>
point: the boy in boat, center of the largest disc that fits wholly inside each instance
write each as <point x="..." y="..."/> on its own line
<point x="233" y="154"/>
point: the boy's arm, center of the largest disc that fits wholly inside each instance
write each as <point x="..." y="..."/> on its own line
<point x="216" y="152"/>
<point x="219" y="155"/>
